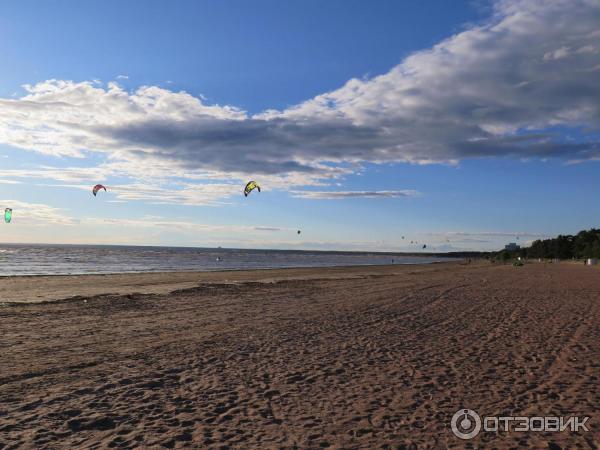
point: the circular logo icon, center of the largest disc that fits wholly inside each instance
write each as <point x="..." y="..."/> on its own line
<point x="466" y="424"/>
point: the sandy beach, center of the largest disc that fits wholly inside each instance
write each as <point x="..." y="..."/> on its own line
<point x="37" y="289"/>
<point x="354" y="358"/>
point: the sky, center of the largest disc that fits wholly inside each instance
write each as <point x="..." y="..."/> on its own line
<point x="376" y="126"/>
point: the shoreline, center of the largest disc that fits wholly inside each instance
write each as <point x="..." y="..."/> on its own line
<point x="147" y="272"/>
<point x="18" y="289"/>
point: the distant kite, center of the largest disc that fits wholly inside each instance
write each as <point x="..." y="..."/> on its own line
<point x="299" y="232"/>
<point x="250" y="186"/>
<point x="424" y="246"/>
<point x="8" y="215"/>
<point x="97" y="188"/>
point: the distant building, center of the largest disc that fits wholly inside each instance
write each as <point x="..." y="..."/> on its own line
<point x="511" y="247"/>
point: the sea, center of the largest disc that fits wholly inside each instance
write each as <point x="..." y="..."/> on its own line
<point x="38" y="259"/>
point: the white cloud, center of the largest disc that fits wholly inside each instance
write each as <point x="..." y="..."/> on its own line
<point x="66" y="174"/>
<point x="36" y="213"/>
<point x="559" y="53"/>
<point x="209" y="194"/>
<point x="187" y="194"/>
<point x="178" y="224"/>
<point x="333" y="195"/>
<point x="490" y="90"/>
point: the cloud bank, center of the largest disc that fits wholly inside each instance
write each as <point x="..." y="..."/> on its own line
<point x="497" y="89"/>
<point x="334" y="195"/>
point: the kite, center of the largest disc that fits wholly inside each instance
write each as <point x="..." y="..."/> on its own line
<point x="424" y="246"/>
<point x="299" y="231"/>
<point x="8" y="215"/>
<point x="250" y="187"/>
<point x="97" y="188"/>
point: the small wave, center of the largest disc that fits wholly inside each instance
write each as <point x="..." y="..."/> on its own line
<point x="62" y="260"/>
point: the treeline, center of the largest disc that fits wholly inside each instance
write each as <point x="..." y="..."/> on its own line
<point x="585" y="244"/>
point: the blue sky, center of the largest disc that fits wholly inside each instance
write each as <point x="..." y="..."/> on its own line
<point x="459" y="125"/>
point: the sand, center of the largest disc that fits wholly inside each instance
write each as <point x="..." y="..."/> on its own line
<point x="37" y="289"/>
<point x="373" y="358"/>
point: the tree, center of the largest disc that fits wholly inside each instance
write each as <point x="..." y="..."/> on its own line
<point x="585" y="244"/>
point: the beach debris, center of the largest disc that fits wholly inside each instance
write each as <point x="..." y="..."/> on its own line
<point x="8" y="215"/>
<point x="96" y="188"/>
<point x="250" y="186"/>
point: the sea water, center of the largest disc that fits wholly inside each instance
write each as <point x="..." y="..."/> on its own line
<point x="24" y="259"/>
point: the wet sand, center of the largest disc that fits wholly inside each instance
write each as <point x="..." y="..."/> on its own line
<point x="39" y="288"/>
<point x="371" y="357"/>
